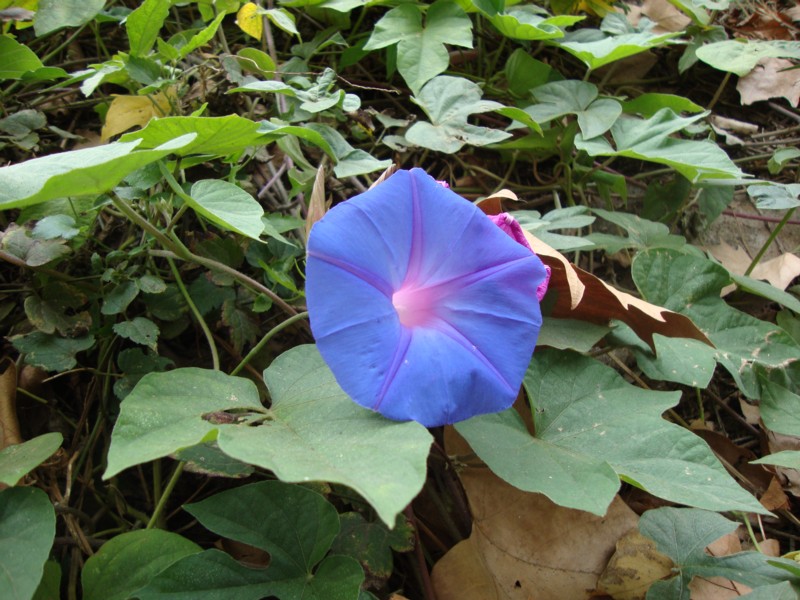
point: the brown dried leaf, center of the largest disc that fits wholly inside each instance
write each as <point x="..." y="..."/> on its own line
<point x="779" y="271"/>
<point x="9" y="424"/>
<point x="635" y="566"/>
<point x="770" y="79"/>
<point x="316" y="203"/>
<point x="126" y="112"/>
<point x="524" y="546"/>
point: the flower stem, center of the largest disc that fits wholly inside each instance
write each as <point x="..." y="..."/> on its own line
<point x="162" y="501"/>
<point x="267" y="337"/>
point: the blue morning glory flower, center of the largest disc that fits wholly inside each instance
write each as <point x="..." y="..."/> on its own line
<point x="421" y="306"/>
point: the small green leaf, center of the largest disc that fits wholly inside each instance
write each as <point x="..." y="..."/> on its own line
<point x="775" y="196"/>
<point x="51" y="352"/>
<point x="18" y="460"/>
<point x="421" y="52"/>
<point x="139" y="330"/>
<point x="56" y="226"/>
<point x="349" y="161"/>
<point x="570" y="334"/>
<point x="780" y="407"/>
<point x="119" y="298"/>
<point x="371" y="544"/>
<point x="228" y="206"/>
<point x="282" y="19"/>
<point x="27" y="529"/>
<point x="650" y="103"/>
<point x="50" y="585"/>
<point x="202" y="37"/>
<point x="524" y="72"/>
<point x="144" y="23"/>
<point x="448" y="102"/>
<point x="742" y="56"/>
<point x="780" y="157"/>
<point x="787" y="458"/>
<point x="683" y="533"/>
<point x="559" y="98"/>
<point x="528" y="23"/>
<point x="129" y="561"/>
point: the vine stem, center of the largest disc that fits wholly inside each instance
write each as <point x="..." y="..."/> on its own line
<point x="769" y="241"/>
<point x="267" y="337"/>
<point x="198" y="317"/>
<point x="162" y="501"/>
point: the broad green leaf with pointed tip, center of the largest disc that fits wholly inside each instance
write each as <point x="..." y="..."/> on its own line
<point x="421" y="51"/>
<point x="84" y="172"/>
<point x="651" y="140"/>
<point x="742" y="56"/>
<point x="682" y="534"/>
<point x="448" y="102"/>
<point x="336" y="578"/>
<point x="228" y="206"/>
<point x="597" y="49"/>
<point x="681" y="360"/>
<point x="294" y="524"/>
<point x="691" y="285"/>
<point x="786" y="458"/>
<point x="586" y="407"/>
<point x="17" y="61"/>
<point x="27" y="529"/>
<point x="312" y="432"/>
<point x="129" y="561"/>
<point x="649" y="104"/>
<point x="572" y="479"/>
<point x="18" y="460"/>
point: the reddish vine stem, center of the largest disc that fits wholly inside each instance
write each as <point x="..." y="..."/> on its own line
<point x="738" y="215"/>
<point x="430" y="594"/>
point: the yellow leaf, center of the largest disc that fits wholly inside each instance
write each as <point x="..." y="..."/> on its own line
<point x="126" y="112"/>
<point x="249" y="20"/>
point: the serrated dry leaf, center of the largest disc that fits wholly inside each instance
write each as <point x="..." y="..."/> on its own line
<point x="126" y="112"/>
<point x="523" y="545"/>
<point x="770" y="79"/>
<point x="634" y="567"/>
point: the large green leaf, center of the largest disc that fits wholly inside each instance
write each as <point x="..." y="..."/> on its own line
<point x="55" y="14"/>
<point x="421" y="52"/>
<point x="18" y="460"/>
<point x="681" y="360"/>
<point x="683" y="533"/>
<point x="295" y="525"/>
<point x="89" y="171"/>
<point x="228" y="206"/>
<point x="568" y="478"/>
<point x="448" y="102"/>
<point x="17" y="61"/>
<point x="691" y="285"/>
<point x="214" y="575"/>
<point x="129" y="561"/>
<point x="742" y="56"/>
<point x="588" y="408"/>
<point x="312" y="431"/>
<point x="212" y="135"/>
<point x="651" y="140"/>
<point x="27" y="528"/>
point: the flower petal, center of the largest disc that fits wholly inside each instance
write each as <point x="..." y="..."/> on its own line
<point x="466" y="293"/>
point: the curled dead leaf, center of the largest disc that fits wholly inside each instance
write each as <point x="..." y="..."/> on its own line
<point x="635" y="566"/>
<point x="316" y="203"/>
<point x="9" y="424"/>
